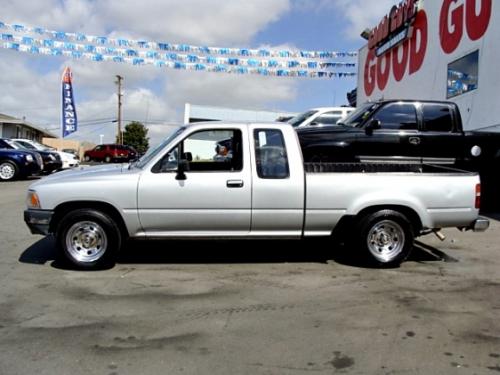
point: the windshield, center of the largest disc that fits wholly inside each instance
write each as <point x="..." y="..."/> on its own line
<point x="356" y="118"/>
<point x="152" y="152"/>
<point x="299" y="119"/>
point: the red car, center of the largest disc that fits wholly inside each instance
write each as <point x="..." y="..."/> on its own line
<point x="110" y="153"/>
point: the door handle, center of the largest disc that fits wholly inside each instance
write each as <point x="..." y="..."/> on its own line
<point x="234" y="183"/>
<point x="414" y="141"/>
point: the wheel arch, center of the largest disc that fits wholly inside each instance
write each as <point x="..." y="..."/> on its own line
<point x="408" y="212"/>
<point x="61" y="210"/>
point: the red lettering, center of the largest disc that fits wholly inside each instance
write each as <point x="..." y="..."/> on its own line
<point x="383" y="75"/>
<point x="408" y="56"/>
<point x="478" y="24"/>
<point x="450" y="39"/>
<point x="399" y="67"/>
<point x="370" y="72"/>
<point x="418" y="43"/>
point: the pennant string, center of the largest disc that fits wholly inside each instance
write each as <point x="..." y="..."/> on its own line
<point x="263" y="62"/>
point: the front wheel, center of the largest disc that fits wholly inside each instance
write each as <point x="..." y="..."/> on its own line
<point x="108" y="159"/>
<point x="89" y="238"/>
<point x="8" y="171"/>
<point x="385" y="237"/>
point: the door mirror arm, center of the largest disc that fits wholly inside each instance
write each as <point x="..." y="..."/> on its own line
<point x="371" y="126"/>
<point x="182" y="167"/>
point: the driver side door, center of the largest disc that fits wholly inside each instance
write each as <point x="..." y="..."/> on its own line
<point x="212" y="199"/>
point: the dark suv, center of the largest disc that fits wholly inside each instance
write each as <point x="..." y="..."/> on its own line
<point x="110" y="152"/>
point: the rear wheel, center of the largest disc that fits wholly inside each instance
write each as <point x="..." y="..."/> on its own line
<point x="108" y="158"/>
<point x="8" y="171"/>
<point x="89" y="238"/>
<point x="386" y="237"/>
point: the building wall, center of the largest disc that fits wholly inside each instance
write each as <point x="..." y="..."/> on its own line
<point x="61" y="144"/>
<point x="444" y="32"/>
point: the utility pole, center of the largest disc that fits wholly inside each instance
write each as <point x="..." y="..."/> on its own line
<point x="119" y="83"/>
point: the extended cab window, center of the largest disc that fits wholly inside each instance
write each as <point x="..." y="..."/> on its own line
<point x="206" y="151"/>
<point x="437" y="117"/>
<point x="400" y="116"/>
<point x="270" y="154"/>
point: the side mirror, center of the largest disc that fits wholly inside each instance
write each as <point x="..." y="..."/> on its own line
<point x="314" y="123"/>
<point x="371" y="126"/>
<point x="181" y="168"/>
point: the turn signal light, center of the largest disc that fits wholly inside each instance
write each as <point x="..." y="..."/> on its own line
<point x="32" y="200"/>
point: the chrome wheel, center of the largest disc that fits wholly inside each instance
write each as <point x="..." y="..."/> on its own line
<point x="386" y="240"/>
<point x="86" y="241"/>
<point x="7" y="171"/>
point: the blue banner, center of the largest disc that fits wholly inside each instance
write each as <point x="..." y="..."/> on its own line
<point x="69" y="119"/>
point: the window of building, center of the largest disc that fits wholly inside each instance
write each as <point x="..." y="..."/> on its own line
<point x="463" y="75"/>
<point x="270" y="154"/>
<point x="402" y="116"/>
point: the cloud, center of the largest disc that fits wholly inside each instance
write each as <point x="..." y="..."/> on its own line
<point x="359" y="14"/>
<point x="152" y="95"/>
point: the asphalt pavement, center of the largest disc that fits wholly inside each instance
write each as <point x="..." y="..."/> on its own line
<point x="257" y="307"/>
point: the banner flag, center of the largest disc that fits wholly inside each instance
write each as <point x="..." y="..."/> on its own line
<point x="69" y="119"/>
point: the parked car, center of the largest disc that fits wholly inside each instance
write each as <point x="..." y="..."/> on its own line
<point x="18" y="164"/>
<point x="322" y="116"/>
<point x="111" y="153"/>
<point x="68" y="160"/>
<point x="178" y="191"/>
<point x="71" y="151"/>
<point x="51" y="160"/>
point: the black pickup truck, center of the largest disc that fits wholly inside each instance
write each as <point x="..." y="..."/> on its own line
<point x="407" y="131"/>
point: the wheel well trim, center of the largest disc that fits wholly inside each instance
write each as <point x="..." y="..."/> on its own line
<point x="62" y="209"/>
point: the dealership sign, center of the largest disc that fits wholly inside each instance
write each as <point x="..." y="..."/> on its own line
<point x="69" y="119"/>
<point x="395" y="28"/>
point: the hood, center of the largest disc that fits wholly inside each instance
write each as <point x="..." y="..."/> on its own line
<point x="98" y="172"/>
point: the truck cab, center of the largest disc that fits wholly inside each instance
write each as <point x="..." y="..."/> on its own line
<point x="403" y="131"/>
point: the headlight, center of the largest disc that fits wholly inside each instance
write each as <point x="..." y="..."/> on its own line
<point x="32" y="200"/>
<point x="29" y="158"/>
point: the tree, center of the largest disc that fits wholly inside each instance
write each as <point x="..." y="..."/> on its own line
<point x="136" y="135"/>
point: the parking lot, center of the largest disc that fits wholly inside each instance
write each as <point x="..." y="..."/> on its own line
<point x="200" y="307"/>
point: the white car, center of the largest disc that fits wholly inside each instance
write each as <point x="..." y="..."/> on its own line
<point x="320" y="116"/>
<point x="68" y="160"/>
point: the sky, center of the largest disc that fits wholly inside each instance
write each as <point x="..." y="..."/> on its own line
<point x="31" y="84"/>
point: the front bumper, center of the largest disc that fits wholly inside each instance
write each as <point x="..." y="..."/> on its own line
<point x="38" y="221"/>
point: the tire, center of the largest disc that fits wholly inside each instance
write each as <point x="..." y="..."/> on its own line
<point x="8" y="171"/>
<point x="108" y="159"/>
<point x="86" y="158"/>
<point x="89" y="239"/>
<point x="385" y="238"/>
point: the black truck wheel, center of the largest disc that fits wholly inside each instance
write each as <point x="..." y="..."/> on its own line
<point x="89" y="238"/>
<point x="385" y="237"/>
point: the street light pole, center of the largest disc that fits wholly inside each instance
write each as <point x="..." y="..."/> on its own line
<point x="119" y="83"/>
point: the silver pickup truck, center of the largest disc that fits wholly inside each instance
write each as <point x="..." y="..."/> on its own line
<point x="259" y="188"/>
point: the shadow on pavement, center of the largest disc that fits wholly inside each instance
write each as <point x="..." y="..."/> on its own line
<point x="40" y="252"/>
<point x="228" y="252"/>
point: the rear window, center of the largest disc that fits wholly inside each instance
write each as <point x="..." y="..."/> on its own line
<point x="437" y="117"/>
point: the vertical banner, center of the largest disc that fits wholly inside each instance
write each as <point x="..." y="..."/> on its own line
<point x="69" y="121"/>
